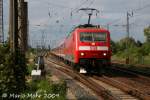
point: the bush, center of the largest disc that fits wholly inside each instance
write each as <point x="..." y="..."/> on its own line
<point x="12" y="79"/>
<point x="46" y="90"/>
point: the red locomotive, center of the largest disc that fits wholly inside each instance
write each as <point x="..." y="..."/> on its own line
<point x="87" y="45"/>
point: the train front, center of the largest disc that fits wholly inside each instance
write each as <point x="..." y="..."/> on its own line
<point x="93" y="47"/>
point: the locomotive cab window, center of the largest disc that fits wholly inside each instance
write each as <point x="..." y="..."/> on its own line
<point x="92" y="37"/>
<point x="99" y="37"/>
<point x="85" y="36"/>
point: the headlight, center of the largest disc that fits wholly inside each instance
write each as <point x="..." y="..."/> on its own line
<point x="104" y="54"/>
<point x="82" y="54"/>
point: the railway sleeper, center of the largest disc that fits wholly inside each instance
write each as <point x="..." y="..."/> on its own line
<point x="127" y="89"/>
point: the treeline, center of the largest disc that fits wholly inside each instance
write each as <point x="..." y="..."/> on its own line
<point x="128" y="46"/>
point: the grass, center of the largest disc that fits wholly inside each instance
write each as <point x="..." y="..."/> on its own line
<point x="45" y="90"/>
<point x="135" y="64"/>
<point x="147" y="60"/>
<point x="134" y="60"/>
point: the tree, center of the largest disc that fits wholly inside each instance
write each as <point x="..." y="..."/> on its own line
<point x="113" y="47"/>
<point x="145" y="49"/>
<point x="139" y="43"/>
<point x="126" y="43"/>
<point x="12" y="77"/>
<point x="147" y="34"/>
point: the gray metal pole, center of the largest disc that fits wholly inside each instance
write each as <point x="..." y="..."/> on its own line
<point x="11" y="17"/>
<point x="128" y="25"/>
<point x="128" y="35"/>
<point x="127" y="51"/>
<point x="2" y="24"/>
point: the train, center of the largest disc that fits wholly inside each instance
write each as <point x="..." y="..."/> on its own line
<point x="87" y="47"/>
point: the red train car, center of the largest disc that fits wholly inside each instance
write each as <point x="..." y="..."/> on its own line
<point x="86" y="45"/>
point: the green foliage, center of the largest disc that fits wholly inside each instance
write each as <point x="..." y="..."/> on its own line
<point x="137" y="51"/>
<point x="147" y="34"/>
<point x="126" y="43"/>
<point x="30" y="67"/>
<point x="121" y="46"/>
<point x="138" y="43"/>
<point x="32" y="50"/>
<point x="12" y="76"/>
<point x="47" y="90"/>
<point x="58" y="89"/>
<point x="145" y="49"/>
<point x="113" y="47"/>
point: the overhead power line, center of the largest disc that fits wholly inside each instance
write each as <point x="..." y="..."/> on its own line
<point x="133" y="11"/>
<point x="77" y="7"/>
<point x="58" y="5"/>
<point x="141" y="8"/>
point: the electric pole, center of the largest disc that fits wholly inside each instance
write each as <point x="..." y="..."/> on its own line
<point x="18" y="24"/>
<point x="18" y="27"/>
<point x="1" y="23"/>
<point x="128" y="36"/>
<point x="23" y="25"/>
<point x="42" y="41"/>
<point x="13" y="25"/>
<point x="11" y="17"/>
<point x="15" y="28"/>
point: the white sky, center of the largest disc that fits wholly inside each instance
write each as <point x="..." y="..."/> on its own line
<point x="60" y="23"/>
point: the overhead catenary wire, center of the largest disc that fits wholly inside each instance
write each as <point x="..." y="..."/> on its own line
<point x="86" y="1"/>
<point x="72" y="10"/>
<point x="77" y="7"/>
<point x="141" y="8"/>
<point x="91" y="3"/>
<point x="133" y="11"/>
<point x="61" y="20"/>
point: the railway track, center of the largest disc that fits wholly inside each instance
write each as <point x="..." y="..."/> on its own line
<point x="100" y="91"/>
<point x="137" y="77"/>
<point x="101" y="88"/>
<point x="117" y="64"/>
<point x="124" y="70"/>
<point x="125" y="87"/>
<point x="131" y="82"/>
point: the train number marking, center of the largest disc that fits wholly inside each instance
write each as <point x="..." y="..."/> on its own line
<point x="93" y="48"/>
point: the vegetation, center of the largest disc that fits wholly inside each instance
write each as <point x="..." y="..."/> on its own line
<point x="147" y="34"/>
<point x="138" y="52"/>
<point x="12" y="76"/>
<point x="45" y="90"/>
<point x="16" y="83"/>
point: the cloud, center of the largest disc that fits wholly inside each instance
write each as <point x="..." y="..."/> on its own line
<point x="110" y="11"/>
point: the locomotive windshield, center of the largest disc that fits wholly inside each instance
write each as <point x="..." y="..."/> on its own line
<point x="92" y="37"/>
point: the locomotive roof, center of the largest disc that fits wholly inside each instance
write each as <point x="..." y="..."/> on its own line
<point x="87" y="26"/>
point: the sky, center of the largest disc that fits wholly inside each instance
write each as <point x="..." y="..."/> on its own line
<point x="51" y="20"/>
